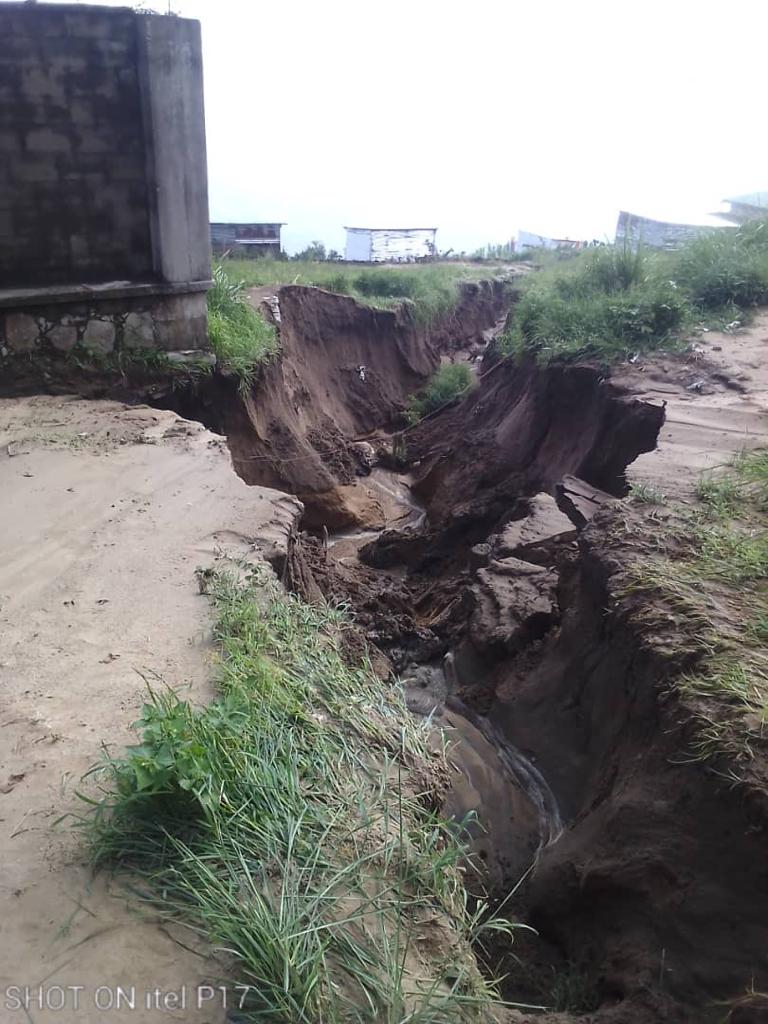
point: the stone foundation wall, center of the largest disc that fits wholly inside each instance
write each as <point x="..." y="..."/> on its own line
<point x="170" y="323"/>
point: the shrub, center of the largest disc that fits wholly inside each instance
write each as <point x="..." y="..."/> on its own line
<point x="448" y="383"/>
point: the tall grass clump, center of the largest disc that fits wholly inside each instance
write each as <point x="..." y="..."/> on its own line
<point x="240" y="337"/>
<point x="726" y="268"/>
<point x="609" y="302"/>
<point x="450" y="381"/>
<point x="288" y="823"/>
<point x="606" y="303"/>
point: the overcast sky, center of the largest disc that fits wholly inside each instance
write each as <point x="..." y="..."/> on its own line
<point x="479" y="118"/>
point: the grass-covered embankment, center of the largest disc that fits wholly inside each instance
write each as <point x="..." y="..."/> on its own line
<point x="709" y="575"/>
<point x="610" y="302"/>
<point x="431" y="288"/>
<point x="240" y="336"/>
<point x="288" y="823"/>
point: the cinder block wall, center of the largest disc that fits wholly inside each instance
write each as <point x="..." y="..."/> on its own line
<point x="73" y="182"/>
<point x="103" y="185"/>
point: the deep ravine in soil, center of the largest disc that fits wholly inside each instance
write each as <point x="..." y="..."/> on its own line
<point x="465" y="545"/>
<point x="477" y="553"/>
<point x="464" y="551"/>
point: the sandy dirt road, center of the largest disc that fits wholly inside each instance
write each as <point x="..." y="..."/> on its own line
<point x="705" y="425"/>
<point x="105" y="512"/>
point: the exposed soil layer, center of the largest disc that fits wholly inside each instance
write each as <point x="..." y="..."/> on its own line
<point x="497" y="590"/>
<point x="521" y="431"/>
<point x="655" y="891"/>
<point x="656" y="848"/>
<point x="344" y="371"/>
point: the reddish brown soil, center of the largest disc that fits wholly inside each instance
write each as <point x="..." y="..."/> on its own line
<point x="295" y="430"/>
<point x="521" y="431"/>
<point x="657" y="888"/>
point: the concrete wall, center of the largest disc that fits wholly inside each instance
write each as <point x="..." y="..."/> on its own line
<point x="103" y="184"/>
<point x="172" y="91"/>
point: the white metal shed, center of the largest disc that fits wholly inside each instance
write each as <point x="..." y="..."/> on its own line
<point x="379" y="245"/>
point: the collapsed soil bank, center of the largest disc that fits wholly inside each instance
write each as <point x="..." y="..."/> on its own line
<point x="651" y="849"/>
<point x="344" y="370"/>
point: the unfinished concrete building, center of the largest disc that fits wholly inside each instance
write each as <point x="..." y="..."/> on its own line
<point x="103" y="185"/>
<point x="246" y="241"/>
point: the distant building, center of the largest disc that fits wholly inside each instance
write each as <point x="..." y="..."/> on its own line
<point x="400" y="245"/>
<point x="246" y="241"/>
<point x="752" y="206"/>
<point x="634" y="230"/>
<point x="528" y="240"/>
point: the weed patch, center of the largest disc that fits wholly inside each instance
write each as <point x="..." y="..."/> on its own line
<point x="610" y="302"/>
<point x="726" y="269"/>
<point x="288" y="822"/>
<point x="240" y="336"/>
<point x="606" y="305"/>
<point x="716" y="588"/>
<point x="644" y="494"/>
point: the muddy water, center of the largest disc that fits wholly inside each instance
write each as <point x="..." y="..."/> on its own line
<point x="399" y="507"/>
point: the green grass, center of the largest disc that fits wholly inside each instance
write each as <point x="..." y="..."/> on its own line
<point x="432" y="289"/>
<point x="714" y="586"/>
<point x="240" y="337"/>
<point x="725" y="268"/>
<point x="450" y="381"/>
<point x="605" y="303"/>
<point x="610" y="302"/>
<point x="288" y="823"/>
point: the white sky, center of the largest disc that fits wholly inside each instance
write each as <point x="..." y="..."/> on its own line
<point x="479" y="118"/>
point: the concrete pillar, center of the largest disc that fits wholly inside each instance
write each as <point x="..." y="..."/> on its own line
<point x="171" y="81"/>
